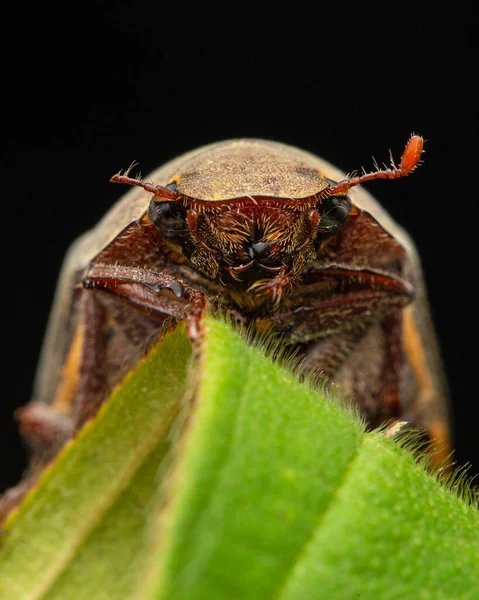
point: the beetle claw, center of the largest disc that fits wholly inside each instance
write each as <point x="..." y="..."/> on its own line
<point x="176" y="287"/>
<point x="272" y="287"/>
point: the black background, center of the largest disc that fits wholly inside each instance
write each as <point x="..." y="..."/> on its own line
<point x="90" y="89"/>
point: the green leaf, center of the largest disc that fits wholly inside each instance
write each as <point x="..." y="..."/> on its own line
<point x="280" y="494"/>
<point x="77" y="535"/>
<point x="263" y="488"/>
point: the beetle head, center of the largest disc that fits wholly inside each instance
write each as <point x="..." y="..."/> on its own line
<point x="251" y="238"/>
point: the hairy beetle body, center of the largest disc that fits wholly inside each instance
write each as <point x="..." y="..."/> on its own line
<point x="261" y="230"/>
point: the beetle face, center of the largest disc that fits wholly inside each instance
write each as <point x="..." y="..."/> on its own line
<point x="245" y="240"/>
<point x="259" y="241"/>
<point x="253" y="215"/>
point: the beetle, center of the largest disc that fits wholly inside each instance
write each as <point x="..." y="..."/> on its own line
<point x="274" y="236"/>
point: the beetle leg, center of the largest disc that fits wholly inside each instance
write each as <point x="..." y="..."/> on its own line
<point x="119" y="315"/>
<point x="365" y="363"/>
<point x="46" y="424"/>
<point x="372" y="365"/>
<point x="44" y="430"/>
<point x="115" y="322"/>
<point x="91" y="376"/>
<point x="142" y="287"/>
<point x="326" y="356"/>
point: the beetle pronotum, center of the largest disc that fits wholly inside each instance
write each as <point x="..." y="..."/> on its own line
<point x="269" y="233"/>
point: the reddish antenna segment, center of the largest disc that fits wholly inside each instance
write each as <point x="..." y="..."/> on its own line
<point x="409" y="161"/>
<point x="157" y="190"/>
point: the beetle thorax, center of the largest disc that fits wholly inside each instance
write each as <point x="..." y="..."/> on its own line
<point x="248" y="168"/>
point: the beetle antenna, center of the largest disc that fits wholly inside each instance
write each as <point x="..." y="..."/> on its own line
<point x="157" y="190"/>
<point x="132" y="166"/>
<point x="391" y="160"/>
<point x="409" y="161"/>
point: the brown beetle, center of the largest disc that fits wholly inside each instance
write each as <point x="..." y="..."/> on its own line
<point x="263" y="231"/>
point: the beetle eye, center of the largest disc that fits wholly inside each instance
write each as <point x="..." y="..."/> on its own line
<point x="168" y="218"/>
<point x="334" y="213"/>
